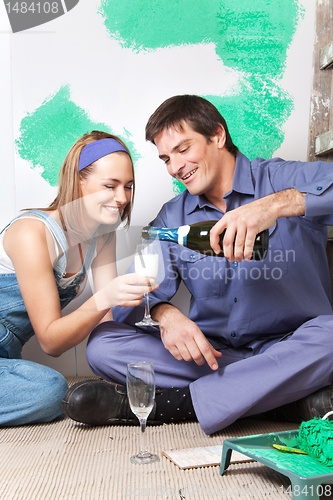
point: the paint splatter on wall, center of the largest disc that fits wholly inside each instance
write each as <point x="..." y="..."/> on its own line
<point x="47" y="134"/>
<point x="251" y="37"/>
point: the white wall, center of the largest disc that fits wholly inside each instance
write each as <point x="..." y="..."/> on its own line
<point x="21" y="187"/>
<point x="7" y="188"/>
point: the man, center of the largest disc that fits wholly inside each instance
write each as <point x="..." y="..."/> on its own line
<point x="259" y="335"/>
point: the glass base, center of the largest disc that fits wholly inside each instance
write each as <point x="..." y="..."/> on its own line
<point x="147" y="322"/>
<point x="144" y="458"/>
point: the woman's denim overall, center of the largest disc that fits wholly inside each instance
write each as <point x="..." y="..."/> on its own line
<point x="30" y="392"/>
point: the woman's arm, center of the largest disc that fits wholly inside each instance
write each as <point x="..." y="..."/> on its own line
<point x="26" y="244"/>
<point x="104" y="268"/>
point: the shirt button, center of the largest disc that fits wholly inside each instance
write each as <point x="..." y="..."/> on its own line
<point x="233" y="334"/>
<point x="235" y="299"/>
<point x="192" y="257"/>
<point x="319" y="188"/>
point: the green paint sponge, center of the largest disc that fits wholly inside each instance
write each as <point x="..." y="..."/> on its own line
<point x="316" y="438"/>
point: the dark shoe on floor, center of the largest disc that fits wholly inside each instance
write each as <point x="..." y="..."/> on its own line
<point x="96" y="402"/>
<point x="316" y="404"/>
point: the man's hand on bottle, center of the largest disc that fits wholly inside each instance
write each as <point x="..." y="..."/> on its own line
<point x="183" y="338"/>
<point x="243" y="223"/>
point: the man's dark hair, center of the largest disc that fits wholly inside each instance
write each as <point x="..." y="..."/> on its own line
<point x="196" y="111"/>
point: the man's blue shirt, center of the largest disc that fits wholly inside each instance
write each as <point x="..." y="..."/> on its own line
<point x="246" y="303"/>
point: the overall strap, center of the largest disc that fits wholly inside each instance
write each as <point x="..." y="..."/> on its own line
<point x="58" y="234"/>
<point x="89" y="254"/>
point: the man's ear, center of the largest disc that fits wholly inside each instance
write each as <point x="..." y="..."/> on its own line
<point x="220" y="136"/>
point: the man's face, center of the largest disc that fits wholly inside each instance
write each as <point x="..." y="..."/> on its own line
<point x="191" y="159"/>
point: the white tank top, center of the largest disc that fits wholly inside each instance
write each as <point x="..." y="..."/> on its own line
<point x="6" y="265"/>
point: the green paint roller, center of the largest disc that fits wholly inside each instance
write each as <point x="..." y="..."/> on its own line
<point x="315" y="437"/>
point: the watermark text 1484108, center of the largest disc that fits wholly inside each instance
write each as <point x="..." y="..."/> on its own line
<point x="25" y="15"/>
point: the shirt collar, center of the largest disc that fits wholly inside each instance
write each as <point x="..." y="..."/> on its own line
<point x="242" y="183"/>
<point x="197" y="201"/>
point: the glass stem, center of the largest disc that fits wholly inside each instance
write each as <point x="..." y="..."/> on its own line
<point x="143" y="436"/>
<point x="147" y="308"/>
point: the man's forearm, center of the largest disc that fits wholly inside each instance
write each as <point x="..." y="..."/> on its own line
<point x="289" y="203"/>
<point x="160" y="310"/>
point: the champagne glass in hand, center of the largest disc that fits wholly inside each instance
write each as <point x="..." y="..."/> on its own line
<point x="140" y="383"/>
<point x="146" y="264"/>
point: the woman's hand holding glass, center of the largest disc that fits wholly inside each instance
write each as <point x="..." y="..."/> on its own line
<point x="121" y="292"/>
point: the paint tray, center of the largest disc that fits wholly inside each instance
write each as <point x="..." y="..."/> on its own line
<point x="306" y="475"/>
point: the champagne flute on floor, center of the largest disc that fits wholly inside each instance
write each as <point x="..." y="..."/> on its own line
<point x="146" y="264"/>
<point x="140" y="381"/>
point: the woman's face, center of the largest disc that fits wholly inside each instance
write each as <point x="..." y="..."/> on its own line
<point x="108" y="189"/>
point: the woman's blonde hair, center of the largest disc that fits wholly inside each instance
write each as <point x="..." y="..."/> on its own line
<point x="68" y="201"/>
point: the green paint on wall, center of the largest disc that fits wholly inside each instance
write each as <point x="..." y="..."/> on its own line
<point x="151" y="24"/>
<point x="47" y="134"/>
<point x="250" y="37"/>
<point x="254" y="36"/>
<point x="260" y="107"/>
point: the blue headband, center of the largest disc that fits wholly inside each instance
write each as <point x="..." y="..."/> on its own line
<point x="97" y="149"/>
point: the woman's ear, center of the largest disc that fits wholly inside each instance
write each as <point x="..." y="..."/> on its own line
<point x="82" y="182"/>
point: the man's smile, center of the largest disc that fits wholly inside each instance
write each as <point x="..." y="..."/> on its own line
<point x="189" y="174"/>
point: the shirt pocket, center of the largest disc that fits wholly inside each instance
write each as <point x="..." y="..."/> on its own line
<point x="201" y="273"/>
<point x="273" y="267"/>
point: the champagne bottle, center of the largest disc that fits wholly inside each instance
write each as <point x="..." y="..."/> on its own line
<point x="196" y="237"/>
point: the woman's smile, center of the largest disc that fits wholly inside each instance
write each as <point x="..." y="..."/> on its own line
<point x="108" y="189"/>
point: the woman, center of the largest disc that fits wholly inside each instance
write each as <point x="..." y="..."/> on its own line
<point x="44" y="259"/>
